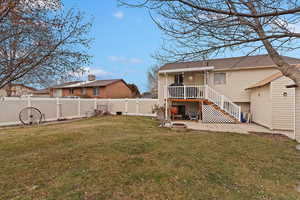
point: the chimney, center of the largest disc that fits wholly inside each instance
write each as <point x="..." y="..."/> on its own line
<point x="91" y="77"/>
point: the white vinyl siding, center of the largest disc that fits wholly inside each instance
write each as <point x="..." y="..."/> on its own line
<point x="237" y="81"/>
<point x="261" y="106"/>
<point x="282" y="104"/>
<point x="273" y="105"/>
<point x="297" y="123"/>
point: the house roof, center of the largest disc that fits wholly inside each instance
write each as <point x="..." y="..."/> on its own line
<point x="25" y="86"/>
<point x="231" y="63"/>
<point x="65" y="84"/>
<point x="266" y="81"/>
<point x="96" y="83"/>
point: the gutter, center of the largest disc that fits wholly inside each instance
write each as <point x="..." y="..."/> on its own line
<point x="191" y="69"/>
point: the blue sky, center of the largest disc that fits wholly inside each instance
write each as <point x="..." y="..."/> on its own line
<point x="124" y="39"/>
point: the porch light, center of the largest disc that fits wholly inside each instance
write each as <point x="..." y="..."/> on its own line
<point x="191" y="78"/>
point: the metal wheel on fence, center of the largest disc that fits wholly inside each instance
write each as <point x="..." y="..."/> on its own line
<point x="30" y="116"/>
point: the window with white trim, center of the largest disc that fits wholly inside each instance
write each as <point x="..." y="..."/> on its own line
<point x="220" y="78"/>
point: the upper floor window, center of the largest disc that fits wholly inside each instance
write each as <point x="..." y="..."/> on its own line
<point x="96" y="91"/>
<point x="178" y="79"/>
<point x="219" y="78"/>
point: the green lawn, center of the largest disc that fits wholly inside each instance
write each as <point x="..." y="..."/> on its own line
<point x="131" y="158"/>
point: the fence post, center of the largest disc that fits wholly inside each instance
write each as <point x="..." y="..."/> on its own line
<point x="29" y="101"/>
<point x="95" y="103"/>
<point x="79" y="105"/>
<point x="137" y="110"/>
<point x="222" y="102"/>
<point x="57" y="108"/>
<point x="184" y="92"/>
<point x="239" y="114"/>
<point x="126" y="106"/>
<point x="205" y="92"/>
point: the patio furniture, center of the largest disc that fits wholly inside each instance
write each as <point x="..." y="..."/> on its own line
<point x="174" y="112"/>
<point x="193" y="115"/>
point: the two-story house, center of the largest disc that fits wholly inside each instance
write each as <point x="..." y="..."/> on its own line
<point x="223" y="90"/>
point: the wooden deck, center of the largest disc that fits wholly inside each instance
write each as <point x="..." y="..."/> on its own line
<point x="187" y="100"/>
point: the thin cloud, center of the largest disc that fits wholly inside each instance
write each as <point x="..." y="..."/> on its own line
<point x="96" y="71"/>
<point x="119" y="15"/>
<point x="121" y="59"/>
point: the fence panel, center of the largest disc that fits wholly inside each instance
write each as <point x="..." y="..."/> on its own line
<point x="117" y="105"/>
<point x="87" y="106"/>
<point x="10" y="109"/>
<point x="46" y="106"/>
<point x="132" y="107"/>
<point x="146" y="107"/>
<point x="70" y="108"/>
<point x="55" y="108"/>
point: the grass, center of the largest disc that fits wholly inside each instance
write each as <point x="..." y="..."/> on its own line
<point x="131" y="158"/>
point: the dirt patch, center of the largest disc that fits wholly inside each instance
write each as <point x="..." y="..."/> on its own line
<point x="274" y="136"/>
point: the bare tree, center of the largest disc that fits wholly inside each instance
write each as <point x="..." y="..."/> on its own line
<point x="40" y="43"/>
<point x="153" y="80"/>
<point x="204" y="28"/>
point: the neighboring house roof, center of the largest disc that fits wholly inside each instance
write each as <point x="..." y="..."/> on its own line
<point x="22" y="85"/>
<point x="65" y="84"/>
<point x="258" y="61"/>
<point x="79" y="84"/>
<point x="266" y="81"/>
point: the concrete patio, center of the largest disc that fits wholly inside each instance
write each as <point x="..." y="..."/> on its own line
<point x="234" y="128"/>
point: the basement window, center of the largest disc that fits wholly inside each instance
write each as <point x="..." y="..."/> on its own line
<point x="219" y="78"/>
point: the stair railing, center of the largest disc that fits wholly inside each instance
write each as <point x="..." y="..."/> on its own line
<point x="223" y="102"/>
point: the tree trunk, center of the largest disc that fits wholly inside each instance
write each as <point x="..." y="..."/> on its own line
<point x="8" y="90"/>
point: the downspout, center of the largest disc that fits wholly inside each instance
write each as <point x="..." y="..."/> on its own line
<point x="295" y="113"/>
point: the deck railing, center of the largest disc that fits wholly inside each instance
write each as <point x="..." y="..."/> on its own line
<point x="186" y="92"/>
<point x="204" y="92"/>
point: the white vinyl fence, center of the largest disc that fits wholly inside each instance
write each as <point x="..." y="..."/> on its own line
<point x="57" y="108"/>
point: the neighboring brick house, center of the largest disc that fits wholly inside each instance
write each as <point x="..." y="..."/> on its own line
<point x="114" y="88"/>
<point x="16" y="90"/>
